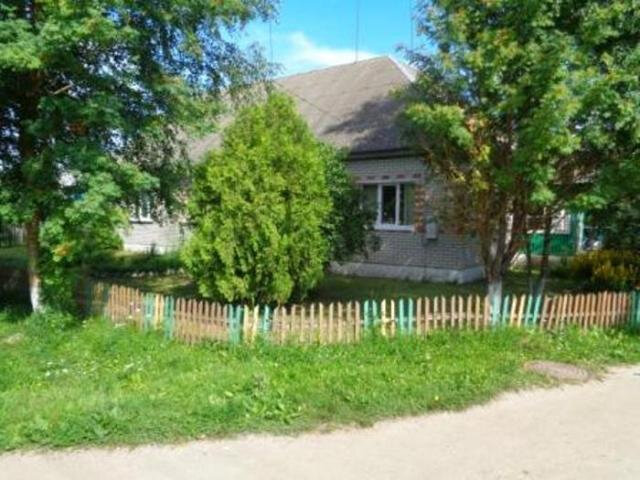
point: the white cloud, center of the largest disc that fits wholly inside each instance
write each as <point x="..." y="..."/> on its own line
<point x="300" y="53"/>
<point x="296" y="52"/>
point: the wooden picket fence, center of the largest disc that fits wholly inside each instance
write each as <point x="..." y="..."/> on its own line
<point x="193" y="320"/>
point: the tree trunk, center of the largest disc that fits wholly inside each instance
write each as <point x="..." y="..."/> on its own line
<point x="544" y="260"/>
<point x="494" y="270"/>
<point x="494" y="290"/>
<point x="530" y="281"/>
<point x="32" y="230"/>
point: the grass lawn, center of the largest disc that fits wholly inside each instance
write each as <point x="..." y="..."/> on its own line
<point x="95" y="384"/>
<point x="342" y="288"/>
<point x="331" y="288"/>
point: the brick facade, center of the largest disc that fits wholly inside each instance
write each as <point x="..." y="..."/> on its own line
<point x="408" y="254"/>
<point x="414" y="254"/>
<point x="147" y="236"/>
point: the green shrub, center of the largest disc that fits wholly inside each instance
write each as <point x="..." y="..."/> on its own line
<point x="49" y="321"/>
<point x="126" y="263"/>
<point x="607" y="270"/>
<point x="259" y="207"/>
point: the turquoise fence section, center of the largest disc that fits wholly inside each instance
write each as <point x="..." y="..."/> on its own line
<point x="405" y="318"/>
<point x="506" y="310"/>
<point x="531" y="314"/>
<point x="370" y="314"/>
<point x="235" y="321"/>
<point x="535" y="316"/>
<point x="169" y="317"/>
<point x="88" y="298"/>
<point x="148" y="306"/>
<point x="193" y="320"/>
<point x="495" y="311"/>
<point x="266" y="320"/>
<point x="634" y="314"/>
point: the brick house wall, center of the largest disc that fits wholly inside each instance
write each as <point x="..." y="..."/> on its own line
<point x="148" y="236"/>
<point x="443" y="256"/>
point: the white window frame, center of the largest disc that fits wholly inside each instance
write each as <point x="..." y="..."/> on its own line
<point x="390" y="226"/>
<point x="561" y="223"/>
<point x="136" y="216"/>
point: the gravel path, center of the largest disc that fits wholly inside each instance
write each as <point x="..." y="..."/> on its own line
<point x="588" y="431"/>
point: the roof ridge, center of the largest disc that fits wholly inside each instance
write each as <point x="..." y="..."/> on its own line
<point x="407" y="70"/>
<point x="392" y="84"/>
<point x="331" y="67"/>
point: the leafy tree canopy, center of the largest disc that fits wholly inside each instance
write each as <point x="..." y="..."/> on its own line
<point x="350" y="227"/>
<point x="95" y="98"/>
<point x="260" y="206"/>
<point x="522" y="105"/>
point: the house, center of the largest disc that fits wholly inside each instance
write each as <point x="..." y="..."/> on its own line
<point x="353" y="107"/>
<point x="567" y="236"/>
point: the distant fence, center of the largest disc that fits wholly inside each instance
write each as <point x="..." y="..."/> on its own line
<point x="11" y="236"/>
<point x="193" y="320"/>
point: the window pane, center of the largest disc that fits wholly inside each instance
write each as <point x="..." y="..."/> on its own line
<point x="406" y="204"/>
<point x="389" y="204"/>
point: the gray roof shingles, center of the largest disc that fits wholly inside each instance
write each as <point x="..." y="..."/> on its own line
<point x="350" y="106"/>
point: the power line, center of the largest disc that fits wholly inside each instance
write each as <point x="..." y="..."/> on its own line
<point x="411" y="23"/>
<point x="357" y="28"/>
<point x="270" y="42"/>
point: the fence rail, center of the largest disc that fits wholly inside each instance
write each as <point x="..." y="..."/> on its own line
<point x="194" y="320"/>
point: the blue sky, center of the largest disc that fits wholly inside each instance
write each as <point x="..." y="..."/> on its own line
<point x="310" y="34"/>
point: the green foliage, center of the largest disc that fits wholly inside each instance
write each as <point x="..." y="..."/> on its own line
<point x="13" y="257"/>
<point x="617" y="215"/>
<point x="128" y="263"/>
<point x="520" y="104"/>
<point x="349" y="228"/>
<point x="259" y="207"/>
<point x="93" y="384"/>
<point x="607" y="269"/>
<point x="48" y="321"/>
<point x="96" y="101"/>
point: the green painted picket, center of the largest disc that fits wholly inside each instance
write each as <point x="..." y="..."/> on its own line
<point x="198" y="321"/>
<point x="506" y="304"/>
<point x="495" y="311"/>
<point x="265" y="321"/>
<point x="536" y="311"/>
<point x="371" y="314"/>
<point x="148" y="308"/>
<point x="168" y="317"/>
<point x="88" y="299"/>
<point x="405" y="318"/>
<point x="634" y="314"/>
<point x="235" y="321"/>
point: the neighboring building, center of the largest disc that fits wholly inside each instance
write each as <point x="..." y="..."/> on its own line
<point x="567" y="236"/>
<point x="353" y="107"/>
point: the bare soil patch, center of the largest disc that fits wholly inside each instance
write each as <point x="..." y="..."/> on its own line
<point x="560" y="371"/>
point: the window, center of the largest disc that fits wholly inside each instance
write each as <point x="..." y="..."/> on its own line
<point x="393" y="204"/>
<point x="561" y="223"/>
<point x="142" y="211"/>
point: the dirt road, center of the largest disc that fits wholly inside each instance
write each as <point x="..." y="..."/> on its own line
<point x="589" y="431"/>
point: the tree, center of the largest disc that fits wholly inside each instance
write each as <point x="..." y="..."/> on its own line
<point x="96" y="98"/>
<point x="259" y="207"/>
<point x="506" y="109"/>
<point x="617" y="215"/>
<point x="350" y="227"/>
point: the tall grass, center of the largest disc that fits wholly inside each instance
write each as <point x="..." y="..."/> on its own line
<point x="65" y="383"/>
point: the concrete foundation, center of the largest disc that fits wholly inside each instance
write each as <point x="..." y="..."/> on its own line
<point x="408" y="272"/>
